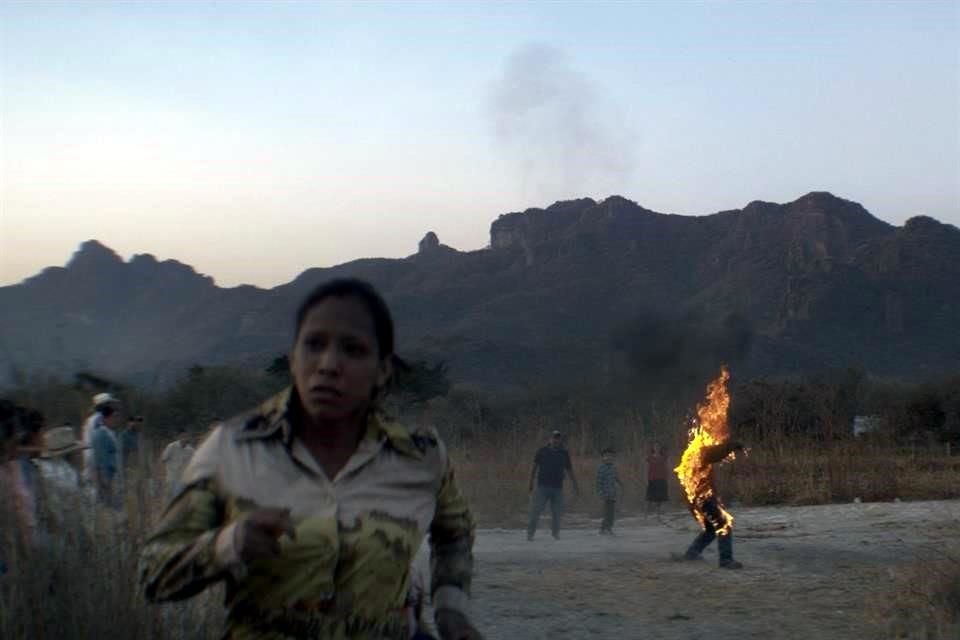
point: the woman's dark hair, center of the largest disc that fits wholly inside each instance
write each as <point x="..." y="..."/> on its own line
<point x="8" y="419"/>
<point x="29" y="424"/>
<point x="363" y="291"/>
<point x="18" y="423"/>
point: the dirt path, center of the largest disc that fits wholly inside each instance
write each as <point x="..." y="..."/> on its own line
<point x="809" y="573"/>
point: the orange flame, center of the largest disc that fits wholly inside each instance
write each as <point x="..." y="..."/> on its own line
<point x="710" y="428"/>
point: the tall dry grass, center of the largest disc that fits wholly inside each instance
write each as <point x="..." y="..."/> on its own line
<point x="78" y="581"/>
<point x="924" y="603"/>
<point x="495" y="477"/>
<point x="84" y="586"/>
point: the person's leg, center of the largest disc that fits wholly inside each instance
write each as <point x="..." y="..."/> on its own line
<point x="658" y="494"/>
<point x="725" y="547"/>
<point x="609" y="514"/>
<point x="715" y="517"/>
<point x="700" y="542"/>
<point x="537" y="502"/>
<point x="556" y="509"/>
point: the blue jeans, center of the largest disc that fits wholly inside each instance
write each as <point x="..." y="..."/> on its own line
<point x="541" y="497"/>
<point x="712" y="521"/>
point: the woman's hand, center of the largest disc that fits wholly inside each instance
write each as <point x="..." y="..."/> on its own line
<point x="257" y="534"/>
<point x="453" y="625"/>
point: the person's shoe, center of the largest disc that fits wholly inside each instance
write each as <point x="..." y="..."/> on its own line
<point x="682" y="557"/>
<point x="730" y="564"/>
<point x="556" y="536"/>
<point x="529" y="537"/>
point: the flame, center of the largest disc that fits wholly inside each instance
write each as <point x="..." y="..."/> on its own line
<point x="709" y="428"/>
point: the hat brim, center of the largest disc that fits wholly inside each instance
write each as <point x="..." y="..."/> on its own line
<point x="56" y="453"/>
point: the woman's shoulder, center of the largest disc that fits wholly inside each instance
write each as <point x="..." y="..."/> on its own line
<point x="421" y="442"/>
<point x="258" y="421"/>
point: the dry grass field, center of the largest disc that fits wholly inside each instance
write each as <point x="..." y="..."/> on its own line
<point x="878" y="568"/>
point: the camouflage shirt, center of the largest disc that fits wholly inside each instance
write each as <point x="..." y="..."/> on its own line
<point x="347" y="572"/>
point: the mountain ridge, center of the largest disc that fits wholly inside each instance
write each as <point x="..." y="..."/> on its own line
<point x="820" y="281"/>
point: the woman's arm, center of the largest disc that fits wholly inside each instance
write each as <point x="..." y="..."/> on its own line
<point x="451" y="546"/>
<point x="451" y="560"/>
<point x="182" y="556"/>
<point x="192" y="548"/>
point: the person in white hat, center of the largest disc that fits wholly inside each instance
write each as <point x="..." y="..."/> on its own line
<point x="59" y="462"/>
<point x="175" y="458"/>
<point x="59" y="467"/>
<point x="104" y="414"/>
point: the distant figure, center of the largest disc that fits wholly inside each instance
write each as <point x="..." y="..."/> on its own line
<point x="130" y="442"/>
<point x="59" y="465"/>
<point x="175" y="458"/>
<point x="58" y="460"/>
<point x="18" y="475"/>
<point x="106" y="461"/>
<point x="714" y="519"/>
<point x="104" y="407"/>
<point x="656" y="479"/>
<point x="550" y="465"/>
<point x="8" y="431"/>
<point x="8" y="452"/>
<point x="608" y="487"/>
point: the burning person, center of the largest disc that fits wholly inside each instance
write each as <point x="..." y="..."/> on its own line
<point x="710" y="444"/>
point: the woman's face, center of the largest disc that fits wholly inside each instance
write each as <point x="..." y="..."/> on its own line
<point x="336" y="363"/>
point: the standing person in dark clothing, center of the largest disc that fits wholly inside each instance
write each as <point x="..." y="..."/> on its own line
<point x="130" y="441"/>
<point x="656" y="479"/>
<point x="549" y="467"/>
<point x="106" y="456"/>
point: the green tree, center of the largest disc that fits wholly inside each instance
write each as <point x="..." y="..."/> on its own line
<point x="280" y="367"/>
<point x="418" y="382"/>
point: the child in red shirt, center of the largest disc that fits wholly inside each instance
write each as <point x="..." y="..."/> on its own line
<point x="656" y="479"/>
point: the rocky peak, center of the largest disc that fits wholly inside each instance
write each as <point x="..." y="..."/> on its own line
<point x="143" y="260"/>
<point x="926" y="224"/>
<point x="429" y="244"/>
<point x="533" y="226"/>
<point x="92" y="254"/>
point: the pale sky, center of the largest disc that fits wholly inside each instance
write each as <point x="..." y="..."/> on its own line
<point x="255" y="140"/>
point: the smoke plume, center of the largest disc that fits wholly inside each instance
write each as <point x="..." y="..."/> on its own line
<point x="675" y="354"/>
<point x="551" y="125"/>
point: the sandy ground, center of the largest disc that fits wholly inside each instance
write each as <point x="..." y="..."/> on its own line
<point x="810" y="572"/>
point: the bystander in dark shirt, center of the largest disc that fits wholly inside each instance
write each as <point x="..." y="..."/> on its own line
<point x="551" y="463"/>
<point x="129" y="443"/>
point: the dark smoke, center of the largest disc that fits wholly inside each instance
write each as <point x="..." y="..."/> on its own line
<point x="674" y="355"/>
<point x="549" y="121"/>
